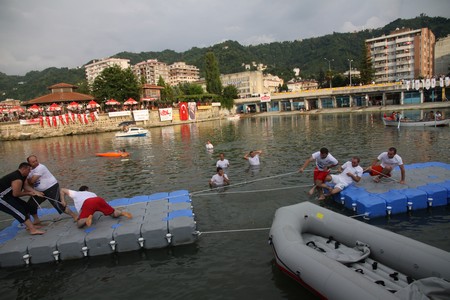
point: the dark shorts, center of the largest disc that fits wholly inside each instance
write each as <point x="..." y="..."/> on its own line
<point x="91" y="205"/>
<point x="53" y="197"/>
<point x="15" y="207"/>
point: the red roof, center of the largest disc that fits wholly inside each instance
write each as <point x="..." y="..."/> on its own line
<point x="60" y="97"/>
<point x="62" y="85"/>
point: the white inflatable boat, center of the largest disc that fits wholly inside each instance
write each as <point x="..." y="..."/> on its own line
<point x="337" y="257"/>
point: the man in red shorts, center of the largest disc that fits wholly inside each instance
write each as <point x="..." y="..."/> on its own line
<point x="87" y="203"/>
<point x="324" y="162"/>
<point x="383" y="165"/>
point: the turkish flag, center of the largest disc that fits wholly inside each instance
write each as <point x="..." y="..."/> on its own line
<point x="47" y="118"/>
<point x="41" y="121"/>
<point x="54" y="121"/>
<point x="92" y="117"/>
<point x="184" y="114"/>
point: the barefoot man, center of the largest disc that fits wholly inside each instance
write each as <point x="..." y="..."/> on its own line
<point x="324" y="162"/>
<point x="13" y="186"/>
<point x="383" y="165"/>
<point x="87" y="203"/>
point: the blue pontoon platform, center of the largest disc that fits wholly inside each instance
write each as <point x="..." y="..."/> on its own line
<point x="159" y="220"/>
<point x="427" y="185"/>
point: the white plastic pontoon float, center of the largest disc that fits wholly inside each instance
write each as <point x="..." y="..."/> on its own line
<point x="159" y="220"/>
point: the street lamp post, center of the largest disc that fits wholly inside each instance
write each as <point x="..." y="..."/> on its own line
<point x="329" y="67"/>
<point x="350" y="70"/>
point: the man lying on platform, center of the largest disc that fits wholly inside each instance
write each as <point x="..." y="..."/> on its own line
<point x="87" y="203"/>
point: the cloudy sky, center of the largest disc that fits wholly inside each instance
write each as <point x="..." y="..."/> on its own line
<point x="37" y="34"/>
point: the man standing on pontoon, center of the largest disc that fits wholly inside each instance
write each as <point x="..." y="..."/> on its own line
<point x="42" y="180"/>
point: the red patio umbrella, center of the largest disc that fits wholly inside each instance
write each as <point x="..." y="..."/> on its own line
<point x="74" y="105"/>
<point x="130" y="101"/>
<point x="92" y="104"/>
<point x="15" y="109"/>
<point x="54" y="107"/>
<point x="34" y="108"/>
<point x="112" y="102"/>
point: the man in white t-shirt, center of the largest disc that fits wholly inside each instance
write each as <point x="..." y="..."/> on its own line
<point x="87" y="203"/>
<point x="350" y="172"/>
<point x="222" y="162"/>
<point x="253" y="157"/>
<point x="324" y="162"/>
<point x="219" y="179"/>
<point x="42" y="180"/>
<point x="383" y="165"/>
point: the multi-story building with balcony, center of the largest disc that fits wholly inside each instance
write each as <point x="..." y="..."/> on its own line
<point x="150" y="70"/>
<point x="402" y="55"/>
<point x="97" y="66"/>
<point x="180" y="72"/>
<point x="442" y="56"/>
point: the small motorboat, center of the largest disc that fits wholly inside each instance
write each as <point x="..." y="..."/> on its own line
<point x="412" y="123"/>
<point x="132" y="132"/>
<point x="337" y="257"/>
<point x="113" y="154"/>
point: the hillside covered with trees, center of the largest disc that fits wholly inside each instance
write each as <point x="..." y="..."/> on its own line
<point x="280" y="57"/>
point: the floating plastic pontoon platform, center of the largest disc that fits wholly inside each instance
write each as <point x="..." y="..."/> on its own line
<point x="427" y="185"/>
<point x="159" y="220"/>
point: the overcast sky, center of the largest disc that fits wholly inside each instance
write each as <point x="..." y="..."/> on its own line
<point x="38" y="34"/>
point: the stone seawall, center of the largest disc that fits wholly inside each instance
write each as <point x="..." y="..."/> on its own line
<point x="14" y="131"/>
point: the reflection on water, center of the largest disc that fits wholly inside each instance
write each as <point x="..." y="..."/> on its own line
<point x="233" y="265"/>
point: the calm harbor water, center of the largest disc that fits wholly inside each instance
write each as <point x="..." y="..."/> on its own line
<point x="221" y="265"/>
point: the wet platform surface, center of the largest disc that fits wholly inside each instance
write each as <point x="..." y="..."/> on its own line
<point x="159" y="220"/>
<point x="427" y="185"/>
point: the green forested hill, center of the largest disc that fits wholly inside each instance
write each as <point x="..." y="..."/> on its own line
<point x="280" y="57"/>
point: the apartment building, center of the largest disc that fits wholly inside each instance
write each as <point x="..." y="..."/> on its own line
<point x="247" y="83"/>
<point x="271" y="83"/>
<point x="180" y="72"/>
<point x="442" y="56"/>
<point x="402" y="55"/>
<point x="302" y="85"/>
<point x="150" y="70"/>
<point x="97" y="66"/>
